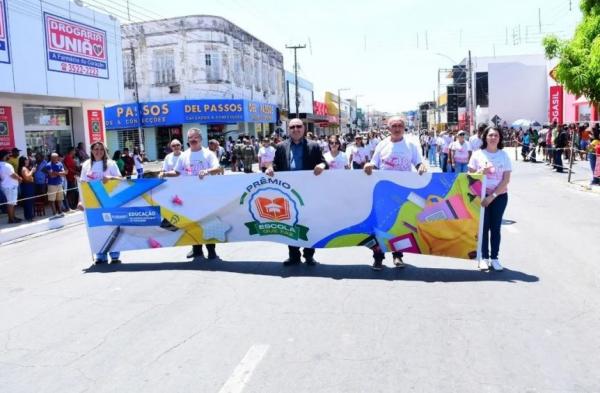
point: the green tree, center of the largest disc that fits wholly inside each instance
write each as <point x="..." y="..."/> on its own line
<point x="578" y="69"/>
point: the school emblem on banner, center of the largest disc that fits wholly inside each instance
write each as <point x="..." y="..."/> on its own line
<point x="274" y="207"/>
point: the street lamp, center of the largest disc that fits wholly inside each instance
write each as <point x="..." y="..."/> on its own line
<point x="340" y="106"/>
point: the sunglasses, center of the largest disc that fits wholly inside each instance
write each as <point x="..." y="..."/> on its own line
<point x="292" y="127"/>
<point x="334" y="143"/>
<point x="175" y="145"/>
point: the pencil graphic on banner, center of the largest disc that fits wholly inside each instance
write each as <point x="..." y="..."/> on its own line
<point x="110" y="241"/>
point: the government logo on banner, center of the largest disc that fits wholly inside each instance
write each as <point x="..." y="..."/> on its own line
<point x="75" y="48"/>
<point x="4" y="50"/>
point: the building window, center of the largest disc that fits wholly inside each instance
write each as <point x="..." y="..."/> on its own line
<point x="128" y="71"/>
<point x="248" y="71"/>
<point x="237" y="68"/>
<point x="164" y="66"/>
<point x="481" y="89"/>
<point x="213" y="66"/>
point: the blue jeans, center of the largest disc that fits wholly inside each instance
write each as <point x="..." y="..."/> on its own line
<point x="27" y="193"/>
<point x="492" y="223"/>
<point x="558" y="160"/>
<point x="432" y="156"/>
<point x="444" y="162"/>
<point x="460" y="167"/>
<point x="103" y="256"/>
<point x="592" y="159"/>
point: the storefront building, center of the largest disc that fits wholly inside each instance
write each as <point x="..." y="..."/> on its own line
<point x="60" y="64"/>
<point x="162" y="121"/>
<point x="170" y="65"/>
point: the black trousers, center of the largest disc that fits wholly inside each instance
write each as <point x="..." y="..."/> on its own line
<point x="197" y="248"/>
<point x="294" y="252"/>
<point x="378" y="255"/>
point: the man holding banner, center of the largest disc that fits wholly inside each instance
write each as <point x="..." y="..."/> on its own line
<point x="394" y="153"/>
<point x="296" y="154"/>
<point x="197" y="161"/>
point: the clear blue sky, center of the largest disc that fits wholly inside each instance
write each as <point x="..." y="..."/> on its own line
<point x="371" y="46"/>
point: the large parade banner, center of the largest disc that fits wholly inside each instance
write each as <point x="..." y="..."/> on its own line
<point x="436" y="214"/>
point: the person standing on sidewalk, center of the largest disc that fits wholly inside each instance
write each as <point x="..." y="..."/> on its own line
<point x="494" y="163"/>
<point x="72" y="191"/>
<point x="197" y="161"/>
<point x="296" y="154"/>
<point x="395" y="153"/>
<point x="27" y="187"/>
<point x="9" y="182"/>
<point x="55" y="170"/>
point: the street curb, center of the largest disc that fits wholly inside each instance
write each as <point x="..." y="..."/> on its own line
<point x="11" y="234"/>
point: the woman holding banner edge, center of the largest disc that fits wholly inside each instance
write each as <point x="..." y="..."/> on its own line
<point x="495" y="164"/>
<point x="100" y="167"/>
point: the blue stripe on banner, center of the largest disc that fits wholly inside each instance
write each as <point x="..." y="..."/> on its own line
<point x="124" y="216"/>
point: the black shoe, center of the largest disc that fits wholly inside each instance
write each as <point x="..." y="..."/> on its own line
<point x="310" y="261"/>
<point x="194" y="255"/>
<point x="292" y="261"/>
<point x="100" y="262"/>
<point x="398" y="262"/>
<point x="212" y="255"/>
<point x="377" y="264"/>
<point x="115" y="261"/>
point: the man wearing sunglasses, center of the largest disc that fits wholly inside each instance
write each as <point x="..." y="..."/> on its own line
<point x="297" y="154"/>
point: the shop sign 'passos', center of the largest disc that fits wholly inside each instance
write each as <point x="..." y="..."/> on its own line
<point x="75" y="48"/>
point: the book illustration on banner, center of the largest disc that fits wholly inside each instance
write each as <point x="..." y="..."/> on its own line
<point x="107" y="204"/>
<point x="440" y="219"/>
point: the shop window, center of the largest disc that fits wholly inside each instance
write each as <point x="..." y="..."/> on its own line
<point x="42" y="116"/>
<point x="49" y="141"/>
<point x="129" y="139"/>
<point x="164" y="66"/>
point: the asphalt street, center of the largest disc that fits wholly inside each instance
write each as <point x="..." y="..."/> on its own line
<point x="159" y="323"/>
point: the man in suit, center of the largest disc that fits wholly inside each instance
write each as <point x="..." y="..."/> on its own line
<point x="296" y="154"/>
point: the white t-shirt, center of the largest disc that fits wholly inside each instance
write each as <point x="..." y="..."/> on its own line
<point x="266" y="154"/>
<point x="397" y="156"/>
<point x="190" y="162"/>
<point x="499" y="161"/>
<point x="373" y="144"/>
<point x="324" y="146"/>
<point x="6" y="170"/>
<point x="338" y="162"/>
<point x="461" y="152"/>
<point x="359" y="154"/>
<point x="95" y="171"/>
<point x="446" y="141"/>
<point x="170" y="161"/>
<point x="475" y="142"/>
<point x="138" y="162"/>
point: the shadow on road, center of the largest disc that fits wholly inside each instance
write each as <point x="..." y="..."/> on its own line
<point x="336" y="272"/>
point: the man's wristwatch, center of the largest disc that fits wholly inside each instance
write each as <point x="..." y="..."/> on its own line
<point x="494" y="195"/>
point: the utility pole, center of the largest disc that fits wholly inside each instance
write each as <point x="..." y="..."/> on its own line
<point x="471" y="102"/>
<point x="295" y="48"/>
<point x="437" y="105"/>
<point x="340" y="107"/>
<point x="540" y="19"/>
<point x="137" y="98"/>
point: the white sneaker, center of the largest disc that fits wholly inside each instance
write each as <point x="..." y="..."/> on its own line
<point x="496" y="265"/>
<point x="483" y="264"/>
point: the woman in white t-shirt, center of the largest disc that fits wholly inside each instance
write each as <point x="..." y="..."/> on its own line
<point x="137" y="160"/>
<point x="100" y="167"/>
<point x="460" y="153"/>
<point x="358" y="154"/>
<point x="266" y="154"/>
<point x="334" y="157"/>
<point x="495" y="164"/>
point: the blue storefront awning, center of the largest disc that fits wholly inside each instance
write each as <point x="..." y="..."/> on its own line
<point x="165" y="113"/>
